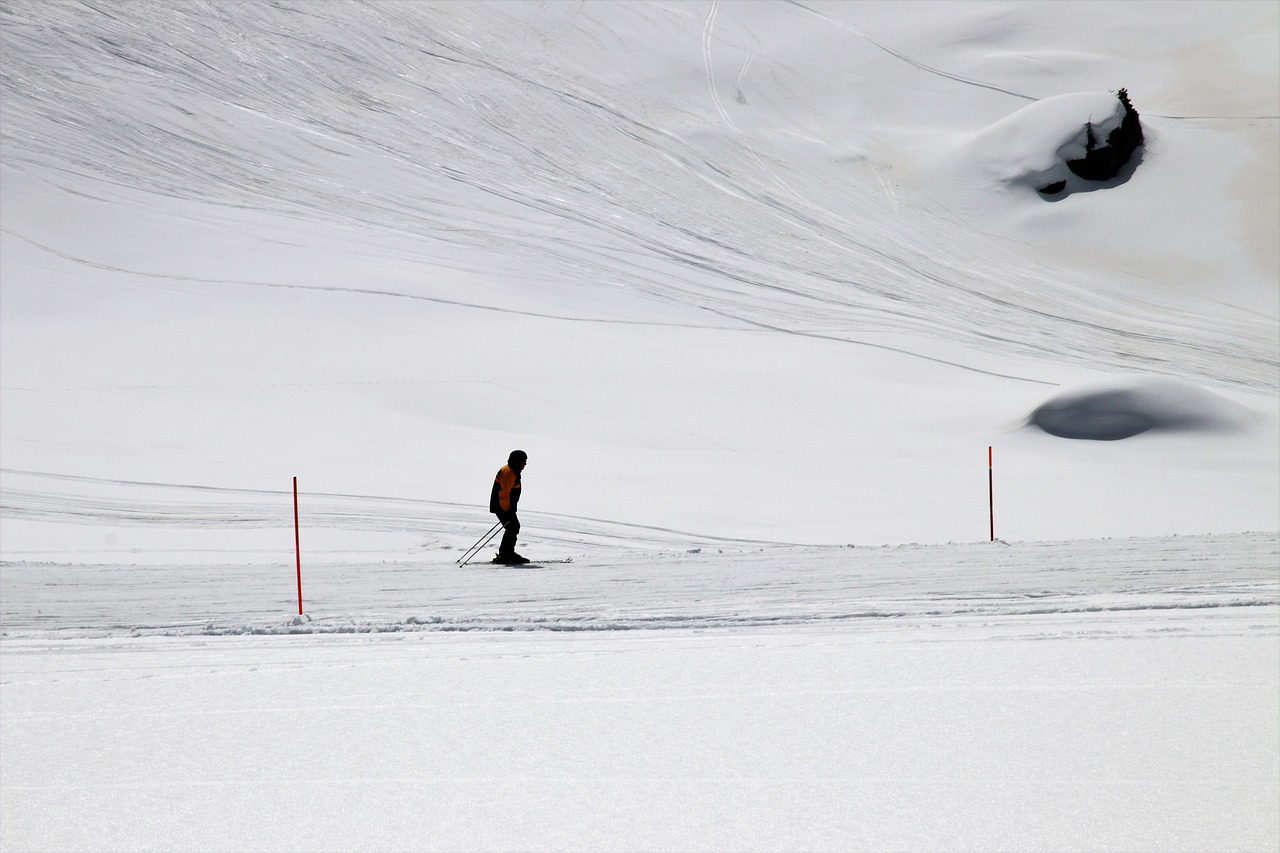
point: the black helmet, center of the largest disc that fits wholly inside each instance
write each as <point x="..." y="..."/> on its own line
<point x="518" y="456"/>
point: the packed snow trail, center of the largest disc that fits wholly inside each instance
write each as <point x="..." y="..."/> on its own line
<point x="1114" y="586"/>
<point x="1115" y="694"/>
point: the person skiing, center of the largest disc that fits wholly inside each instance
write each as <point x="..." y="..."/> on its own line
<point x="502" y="503"/>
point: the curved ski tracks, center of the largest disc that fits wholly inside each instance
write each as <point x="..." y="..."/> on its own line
<point x="648" y="196"/>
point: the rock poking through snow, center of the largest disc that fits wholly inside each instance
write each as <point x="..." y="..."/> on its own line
<point x="1105" y="158"/>
<point x="1063" y="144"/>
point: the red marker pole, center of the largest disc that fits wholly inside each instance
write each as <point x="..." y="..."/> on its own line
<point x="297" y="542"/>
<point x="991" y="495"/>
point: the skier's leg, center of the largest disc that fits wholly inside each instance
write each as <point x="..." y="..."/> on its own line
<point x="512" y="529"/>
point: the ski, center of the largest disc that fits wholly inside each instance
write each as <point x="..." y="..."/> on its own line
<point x="532" y="564"/>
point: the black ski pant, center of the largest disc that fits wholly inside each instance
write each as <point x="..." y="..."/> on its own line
<point x="511" y="529"/>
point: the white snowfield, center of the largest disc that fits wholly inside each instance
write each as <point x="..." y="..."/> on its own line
<point x="756" y="286"/>
<point x="1099" y="695"/>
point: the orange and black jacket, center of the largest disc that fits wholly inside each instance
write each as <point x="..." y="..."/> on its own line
<point x="506" y="491"/>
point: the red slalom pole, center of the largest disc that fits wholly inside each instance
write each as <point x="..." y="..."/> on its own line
<point x="297" y="542"/>
<point x="991" y="495"/>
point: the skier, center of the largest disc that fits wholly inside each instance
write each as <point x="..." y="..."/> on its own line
<point x="502" y="503"/>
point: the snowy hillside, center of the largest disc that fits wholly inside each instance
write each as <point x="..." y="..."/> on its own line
<point x="752" y="255"/>
<point x="756" y="285"/>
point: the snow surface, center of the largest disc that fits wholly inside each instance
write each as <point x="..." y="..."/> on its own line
<point x="756" y="285"/>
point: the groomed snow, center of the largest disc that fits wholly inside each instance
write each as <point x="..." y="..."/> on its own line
<point x="1106" y="695"/>
<point x="756" y="285"/>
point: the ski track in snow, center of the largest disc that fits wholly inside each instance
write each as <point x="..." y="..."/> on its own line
<point x="737" y="229"/>
<point x="59" y="498"/>
<point x="1215" y="585"/>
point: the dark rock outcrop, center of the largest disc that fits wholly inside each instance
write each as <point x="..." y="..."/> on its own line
<point x="1104" y="161"/>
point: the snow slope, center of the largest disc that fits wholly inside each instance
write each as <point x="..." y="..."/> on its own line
<point x="731" y="248"/>
<point x="752" y="283"/>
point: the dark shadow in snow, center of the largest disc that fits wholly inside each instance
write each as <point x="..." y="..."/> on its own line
<point x="1110" y="414"/>
<point x="1071" y="184"/>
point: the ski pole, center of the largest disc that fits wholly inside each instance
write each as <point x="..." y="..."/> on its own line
<point x="480" y="543"/>
<point x="485" y="541"/>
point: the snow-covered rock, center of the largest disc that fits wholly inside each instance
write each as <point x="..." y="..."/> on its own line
<point x="1055" y="145"/>
<point x="1123" y="410"/>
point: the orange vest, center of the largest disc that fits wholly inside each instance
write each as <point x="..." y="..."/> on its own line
<point x="506" y="490"/>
